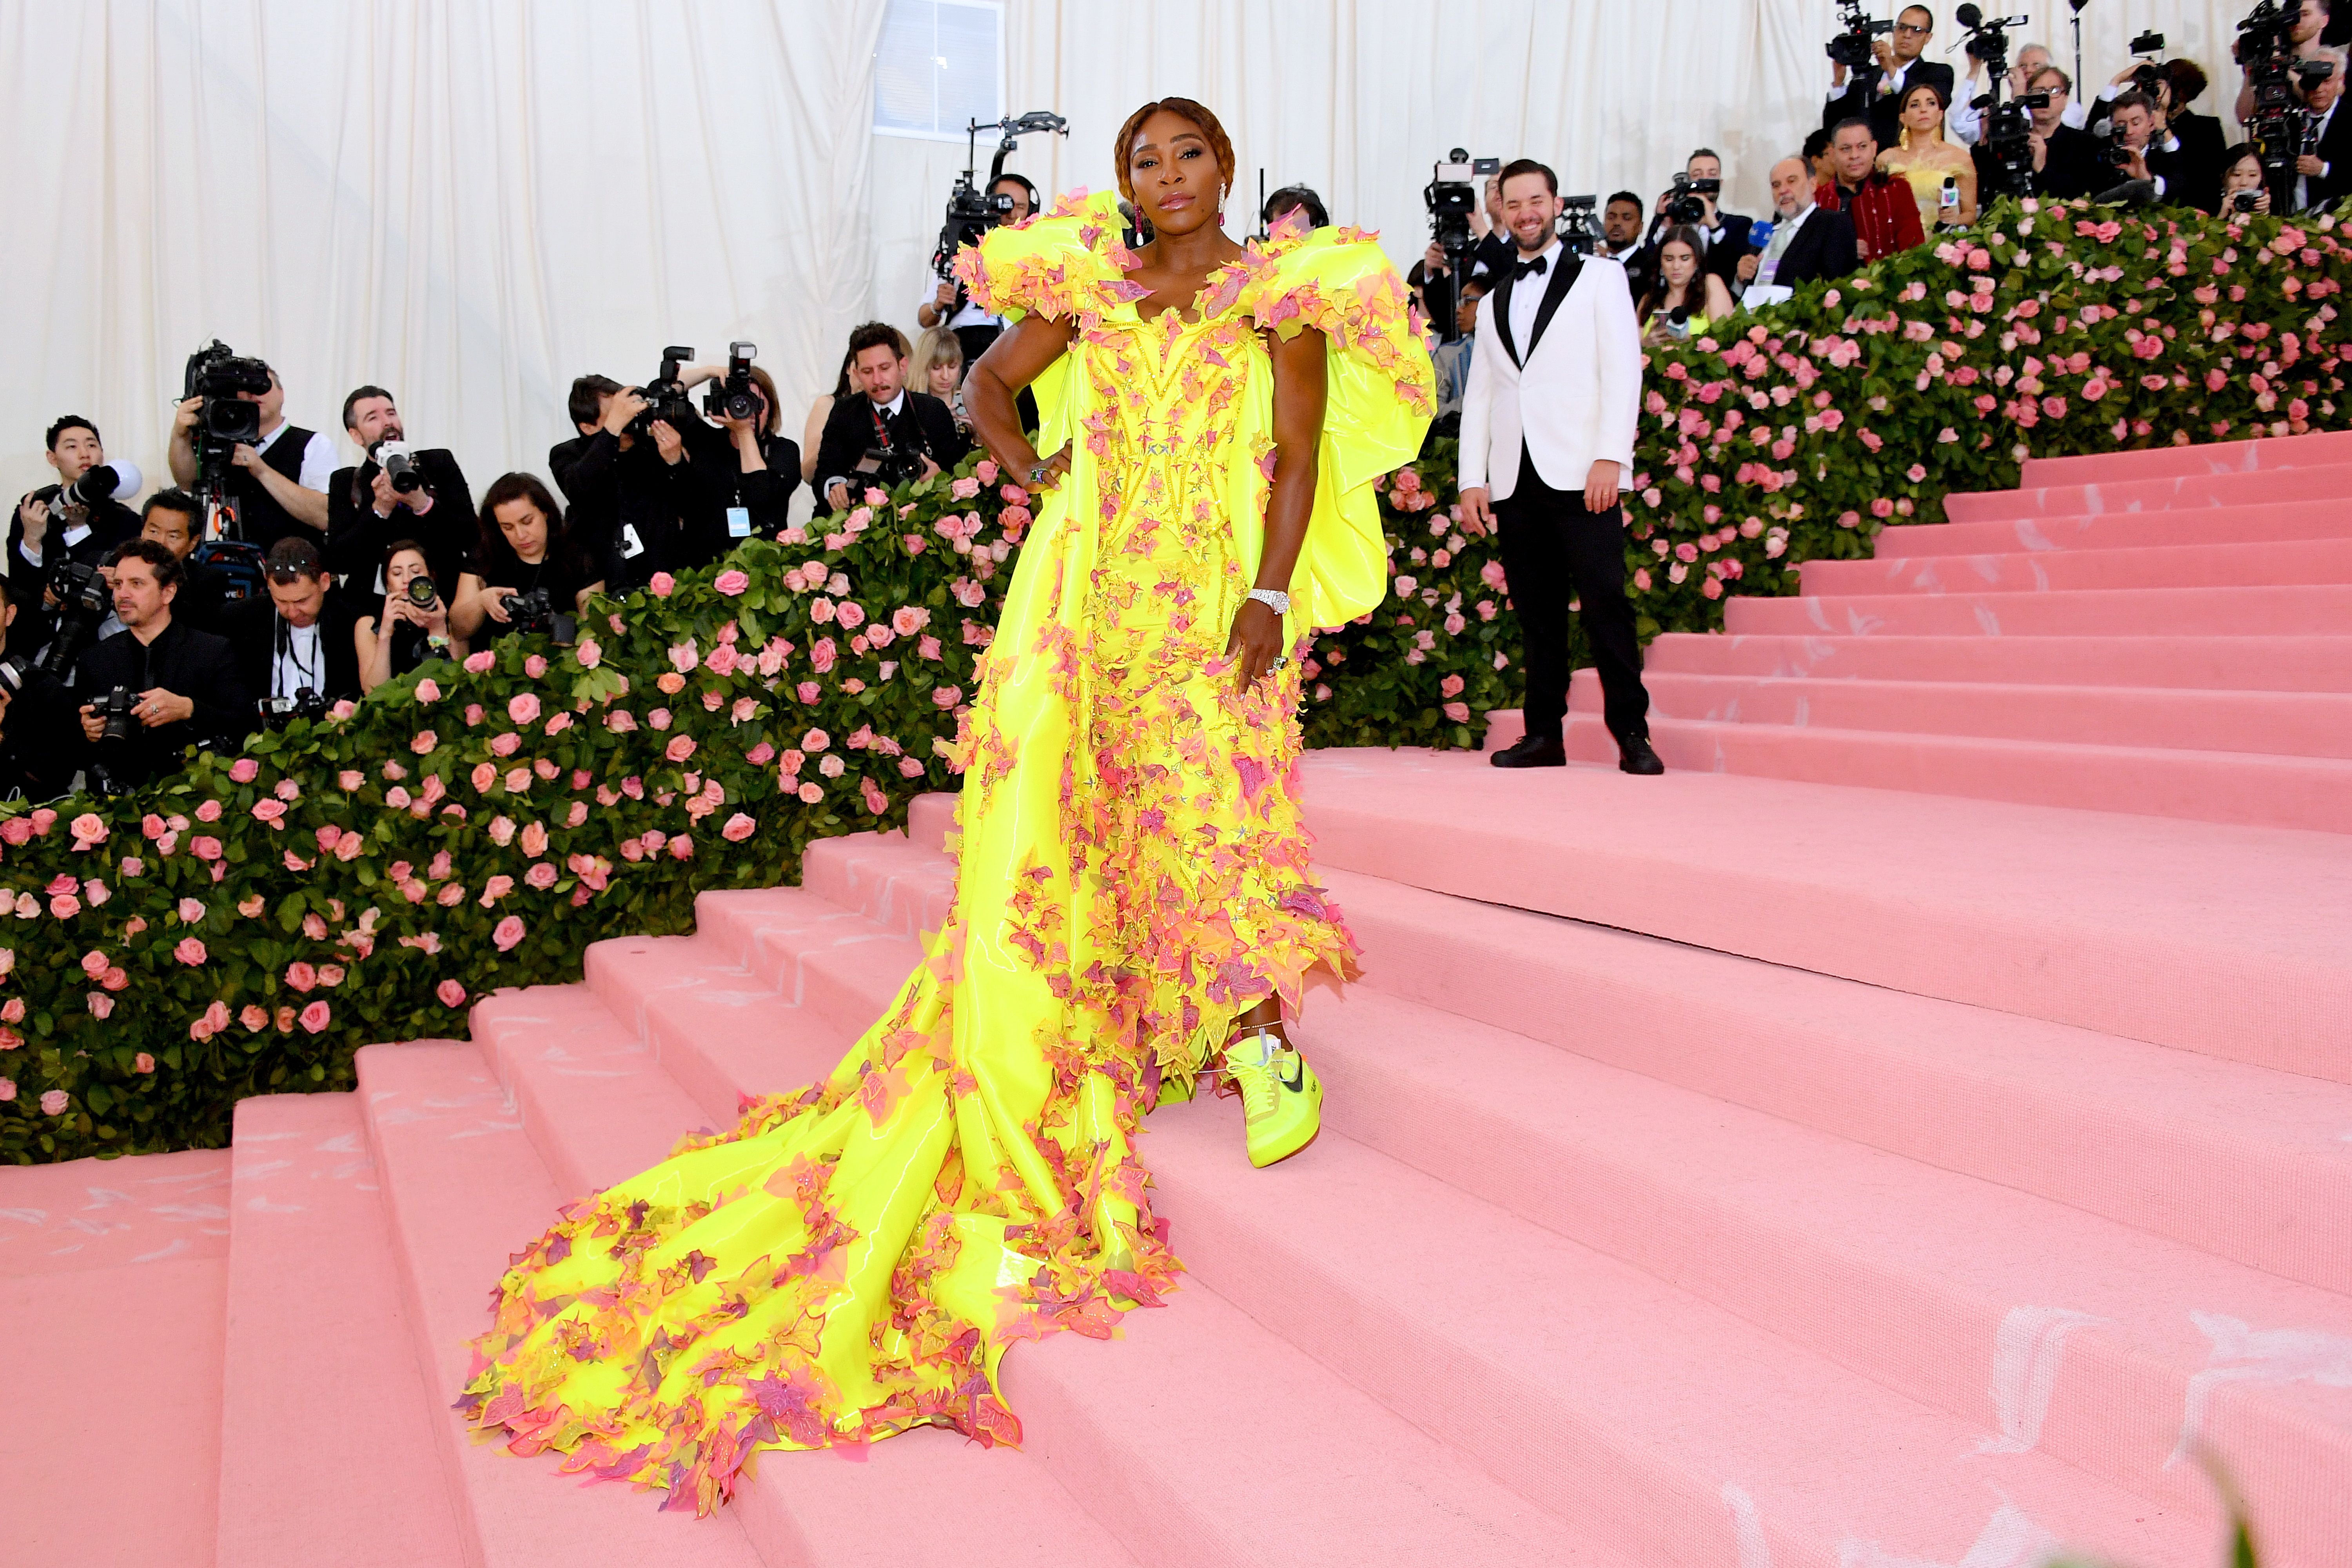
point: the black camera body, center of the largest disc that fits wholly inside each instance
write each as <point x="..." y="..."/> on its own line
<point x="2009" y="130"/>
<point x="1684" y="203"/>
<point x="83" y="599"/>
<point x="535" y="612"/>
<point x="971" y="213"/>
<point x="2281" y="128"/>
<point x="738" y="396"/>
<point x="277" y="712"/>
<point x="664" y="396"/>
<point x="1451" y="195"/>
<point x="217" y="374"/>
<point x="888" y="465"/>
<point x="1579" y="224"/>
<point x="1851" y="49"/>
<point x="2244" y="201"/>
<point x="119" y="710"/>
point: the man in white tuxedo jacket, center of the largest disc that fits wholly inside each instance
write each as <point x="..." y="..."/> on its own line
<point x="1547" y="424"/>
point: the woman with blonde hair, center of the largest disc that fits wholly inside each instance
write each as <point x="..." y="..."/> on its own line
<point x="938" y="370"/>
<point x="1925" y="158"/>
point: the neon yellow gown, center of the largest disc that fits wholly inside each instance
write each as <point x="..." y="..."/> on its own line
<point x="852" y="1260"/>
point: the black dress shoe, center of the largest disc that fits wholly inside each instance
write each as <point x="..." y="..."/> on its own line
<point x="1634" y="757"/>
<point x="1532" y="752"/>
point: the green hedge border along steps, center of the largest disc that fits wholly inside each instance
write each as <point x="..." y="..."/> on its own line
<point x="244" y="926"/>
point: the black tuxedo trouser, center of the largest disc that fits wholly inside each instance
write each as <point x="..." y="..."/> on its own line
<point x="1553" y="547"/>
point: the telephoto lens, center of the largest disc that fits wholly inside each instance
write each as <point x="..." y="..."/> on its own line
<point x="400" y="467"/>
<point x="421" y="592"/>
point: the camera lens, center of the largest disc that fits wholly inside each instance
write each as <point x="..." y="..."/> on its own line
<point x="421" y="592"/>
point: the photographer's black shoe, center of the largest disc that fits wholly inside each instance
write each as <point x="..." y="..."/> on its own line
<point x="1532" y="752"/>
<point x="1634" y="757"/>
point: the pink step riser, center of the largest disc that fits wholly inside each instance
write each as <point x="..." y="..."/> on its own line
<point x="2322" y="610"/>
<point x="2293" y="522"/>
<point x="2319" y="482"/>
<point x="2192" y="566"/>
<point x="2235" y="458"/>
<point x="2302" y="724"/>
<point x="2235" y="664"/>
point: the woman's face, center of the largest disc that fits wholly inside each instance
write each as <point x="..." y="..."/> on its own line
<point x="2245" y="174"/>
<point x="946" y="376"/>
<point x="1174" y="172"/>
<point x="525" y="527"/>
<point x="399" y="570"/>
<point x="1923" y="111"/>
<point x="1676" y="263"/>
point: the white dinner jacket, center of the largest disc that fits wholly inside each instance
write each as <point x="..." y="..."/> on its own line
<point x="1573" y="397"/>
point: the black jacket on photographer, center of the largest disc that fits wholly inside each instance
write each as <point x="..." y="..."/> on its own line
<point x="2073" y="163"/>
<point x="273" y="659"/>
<point x="765" y="494"/>
<point x="912" y="422"/>
<point x="40" y="740"/>
<point x="108" y="524"/>
<point x="356" y="536"/>
<point x="188" y="663"/>
<point x="627" y="512"/>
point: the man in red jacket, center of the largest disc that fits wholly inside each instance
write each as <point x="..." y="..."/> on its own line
<point x="1886" y="214"/>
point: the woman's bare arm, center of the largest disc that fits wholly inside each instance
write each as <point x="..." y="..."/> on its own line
<point x="1259" y="635"/>
<point x="1016" y="358"/>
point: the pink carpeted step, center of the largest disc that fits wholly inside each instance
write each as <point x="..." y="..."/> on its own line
<point x="2321" y="610"/>
<point x="2243" y="1162"/>
<point x="2292" y="522"/>
<point x="931" y="819"/>
<point x="890" y="878"/>
<point x="328" y="1451"/>
<point x="465" y="1190"/>
<point x="2160" y="493"/>
<point x="600" y="1108"/>
<point x="1911" y="1275"/>
<point x="1631" y="1404"/>
<point x="113" y="1290"/>
<point x="2277" y="724"/>
<point x="2235" y="664"/>
<point x="2263" y="454"/>
<point x="2243" y="788"/>
<point x="2236" y="565"/>
<point x="2083" y="918"/>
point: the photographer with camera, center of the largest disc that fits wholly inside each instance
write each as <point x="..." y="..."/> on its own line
<point x="1871" y="85"/>
<point x="412" y="627"/>
<point x="1886" y="217"/>
<point x="294" y="647"/>
<point x="2301" y="39"/>
<point x="746" y="490"/>
<point x="949" y="306"/>
<point x="79" y="520"/>
<point x="2324" y="171"/>
<point x="40" y="736"/>
<point x="397" y="491"/>
<point x="174" y="519"/>
<point x="277" y="481"/>
<point x="2068" y="162"/>
<point x="158" y="685"/>
<point x="1691" y="202"/>
<point x="2244" y="188"/>
<point x="889" y="436"/>
<point x="2137" y="149"/>
<point x="528" y="573"/>
<point x="1807" y="244"/>
<point x="1967" y="121"/>
<point x="628" y="482"/>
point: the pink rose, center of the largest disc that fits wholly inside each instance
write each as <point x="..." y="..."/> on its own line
<point x="143" y="1062"/>
<point x="301" y="975"/>
<point x="101" y="1005"/>
<point x="452" y="995"/>
<point x="505" y="743"/>
<point x="542" y="876"/>
<point x="534" y="666"/>
<point x="850" y="614"/>
<point x="731" y="582"/>
<point x="480" y="660"/>
<point x="497" y="887"/>
<point x="662" y="585"/>
<point x="534" y="840"/>
<point x="88" y="828"/>
<point x="517" y="780"/>
<point x="508" y="931"/>
<point x="523" y="708"/>
<point x="681" y="847"/>
<point x="53" y="1103"/>
<point x="681" y="747"/>
<point x="428" y="690"/>
<point x="589" y="654"/>
<point x="812" y="793"/>
<point x="907" y="619"/>
<point x="314" y="1018"/>
<point x="738" y="827"/>
<point x="946" y="696"/>
<point x="425" y="743"/>
<point x="190" y="950"/>
<point x="245" y="770"/>
<point x="1458" y="712"/>
<point x="484" y="776"/>
<point x="815" y="741"/>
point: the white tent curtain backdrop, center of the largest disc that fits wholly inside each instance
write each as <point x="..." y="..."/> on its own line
<point x="471" y="202"/>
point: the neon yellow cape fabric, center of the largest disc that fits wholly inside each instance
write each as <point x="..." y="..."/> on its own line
<point x="855" y="1258"/>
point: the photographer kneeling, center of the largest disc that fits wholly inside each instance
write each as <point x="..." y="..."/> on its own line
<point x="364" y="504"/>
<point x="412" y="627"/>
<point x="158" y="685"/>
<point x="293" y="647"/>
<point x="527" y="575"/>
<point x="888" y="436"/>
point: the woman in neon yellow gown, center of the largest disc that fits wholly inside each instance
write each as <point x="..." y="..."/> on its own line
<point x="1132" y="880"/>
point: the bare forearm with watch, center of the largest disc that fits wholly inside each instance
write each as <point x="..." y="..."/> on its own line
<point x="1263" y="629"/>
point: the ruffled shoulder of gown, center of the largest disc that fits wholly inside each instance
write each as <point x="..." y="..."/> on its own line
<point x="1067" y="262"/>
<point x="1379" y="397"/>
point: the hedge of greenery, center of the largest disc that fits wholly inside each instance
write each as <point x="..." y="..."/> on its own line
<point x="247" y="925"/>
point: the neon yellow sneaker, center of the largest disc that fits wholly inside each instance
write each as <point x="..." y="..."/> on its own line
<point x="1282" y="1100"/>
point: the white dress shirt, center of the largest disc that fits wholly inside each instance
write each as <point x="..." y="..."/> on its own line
<point x="2302" y="182"/>
<point x="301" y="662"/>
<point x="1528" y="294"/>
<point x="317" y="456"/>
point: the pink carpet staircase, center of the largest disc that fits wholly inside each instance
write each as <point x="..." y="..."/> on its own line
<point x="1718" y="1170"/>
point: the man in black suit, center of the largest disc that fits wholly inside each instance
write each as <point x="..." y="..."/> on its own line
<point x="2323" y="177"/>
<point x="44" y="534"/>
<point x="183" y="682"/>
<point x="297" y="636"/>
<point x="365" y="511"/>
<point x="1808" y="242"/>
<point x="889" y="416"/>
<point x="1877" y="92"/>
<point x="1726" y="232"/>
<point x="2067" y="163"/>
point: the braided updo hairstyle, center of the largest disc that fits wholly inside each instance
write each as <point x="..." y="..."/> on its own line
<point x="1220" y="145"/>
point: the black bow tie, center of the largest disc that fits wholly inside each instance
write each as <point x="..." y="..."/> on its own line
<point x="1536" y="267"/>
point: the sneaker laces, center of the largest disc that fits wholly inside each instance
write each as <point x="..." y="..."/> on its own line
<point x="1255" y="1080"/>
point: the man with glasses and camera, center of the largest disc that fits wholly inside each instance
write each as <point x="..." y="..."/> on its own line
<point x="1692" y="201"/>
<point x="1876" y="92"/>
<point x="158" y="685"/>
<point x="294" y="647"/>
<point x="279" y="484"/>
<point x="396" y="492"/>
<point x="892" y="434"/>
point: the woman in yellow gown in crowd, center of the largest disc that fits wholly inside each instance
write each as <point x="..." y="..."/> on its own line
<point x="1134" y="905"/>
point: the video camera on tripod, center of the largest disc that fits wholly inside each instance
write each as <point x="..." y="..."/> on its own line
<point x="973" y="210"/>
<point x="2281" y="128"/>
<point x="225" y="420"/>
<point x="1579" y="223"/>
<point x="2008" y="127"/>
<point x="1851" y="47"/>
<point x="1452" y="197"/>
